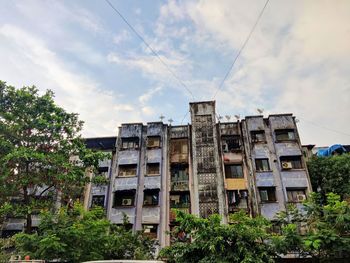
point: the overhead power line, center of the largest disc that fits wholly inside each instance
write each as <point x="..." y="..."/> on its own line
<point x="241" y="49"/>
<point x="150" y="48"/>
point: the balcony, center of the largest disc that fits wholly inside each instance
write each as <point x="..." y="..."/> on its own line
<point x="179" y="185"/>
<point x="179" y="158"/>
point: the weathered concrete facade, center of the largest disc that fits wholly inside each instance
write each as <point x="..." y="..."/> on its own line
<point x="206" y="167"/>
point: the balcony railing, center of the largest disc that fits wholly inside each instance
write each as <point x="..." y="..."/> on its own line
<point x="179" y="185"/>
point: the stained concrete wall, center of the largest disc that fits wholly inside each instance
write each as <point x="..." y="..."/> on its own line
<point x="142" y="214"/>
<point x="128" y="157"/>
<point x="116" y="215"/>
<point x="208" y="186"/>
<point x="273" y="150"/>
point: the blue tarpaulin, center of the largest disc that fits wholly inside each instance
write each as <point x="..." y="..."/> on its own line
<point x="336" y="148"/>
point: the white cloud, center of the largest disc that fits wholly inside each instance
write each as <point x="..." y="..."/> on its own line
<point x="122" y="37"/>
<point x="298" y="59"/>
<point x="144" y="98"/>
<point x="27" y="60"/>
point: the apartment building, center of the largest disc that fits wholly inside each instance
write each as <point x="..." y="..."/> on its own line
<point x="255" y="164"/>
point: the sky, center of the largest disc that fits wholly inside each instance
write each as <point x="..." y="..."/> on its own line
<point x="297" y="60"/>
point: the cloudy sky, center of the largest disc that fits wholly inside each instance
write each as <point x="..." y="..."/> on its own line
<point x="297" y="60"/>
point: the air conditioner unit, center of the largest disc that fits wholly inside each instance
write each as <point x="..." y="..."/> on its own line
<point x="287" y="165"/>
<point x="126" y="201"/>
<point x="301" y="197"/>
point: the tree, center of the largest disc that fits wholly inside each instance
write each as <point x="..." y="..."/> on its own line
<point x="75" y="235"/>
<point x="331" y="174"/>
<point x="207" y="240"/>
<point x="327" y="235"/>
<point x="38" y="141"/>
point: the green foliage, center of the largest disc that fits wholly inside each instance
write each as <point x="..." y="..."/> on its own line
<point x="242" y="241"/>
<point x="75" y="235"/>
<point x="327" y="233"/>
<point x="6" y="249"/>
<point x="37" y="142"/>
<point x="331" y="174"/>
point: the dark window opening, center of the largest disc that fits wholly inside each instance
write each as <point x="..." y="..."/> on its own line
<point x="130" y="143"/>
<point x="285" y="135"/>
<point x="153" y="142"/>
<point x="151" y="197"/>
<point x="291" y="162"/>
<point x="234" y="171"/>
<point x="124" y="198"/>
<point x="180" y="200"/>
<point x="258" y="136"/>
<point x="179" y="177"/>
<point x="127" y="170"/>
<point x="230" y="143"/>
<point x="102" y="171"/>
<point x="98" y="200"/>
<point x="262" y="165"/>
<point x="267" y="194"/>
<point x="150" y="230"/>
<point x="296" y="195"/>
<point x="153" y="169"/>
<point x="9" y="233"/>
<point x="237" y="199"/>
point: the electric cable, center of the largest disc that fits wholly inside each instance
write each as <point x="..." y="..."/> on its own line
<point x="150" y="48"/>
<point x="241" y="49"/>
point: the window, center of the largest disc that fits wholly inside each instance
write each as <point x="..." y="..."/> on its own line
<point x="127" y="170"/>
<point x="98" y="200"/>
<point x="9" y="233"/>
<point x="152" y="169"/>
<point x="296" y="195"/>
<point x="230" y="143"/>
<point x="102" y="171"/>
<point x="130" y="143"/>
<point x="262" y="165"/>
<point x="179" y="146"/>
<point x="285" y="135"/>
<point x="150" y="230"/>
<point x="153" y="142"/>
<point x="124" y="198"/>
<point x="234" y="171"/>
<point x="179" y="177"/>
<point x="151" y="197"/>
<point x="179" y="173"/>
<point x="180" y="200"/>
<point x="237" y="199"/>
<point x="267" y="194"/>
<point x="291" y="162"/>
<point x="258" y="136"/>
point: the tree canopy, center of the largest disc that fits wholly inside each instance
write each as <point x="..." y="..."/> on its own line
<point x="208" y="240"/>
<point x="331" y="174"/>
<point x="319" y="230"/>
<point x="75" y="235"/>
<point x="42" y="155"/>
